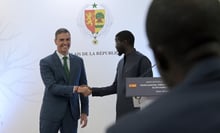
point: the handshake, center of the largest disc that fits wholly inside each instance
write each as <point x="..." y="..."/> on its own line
<point x="83" y="89"/>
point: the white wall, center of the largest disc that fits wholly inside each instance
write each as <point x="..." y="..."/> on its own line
<point x="26" y="35"/>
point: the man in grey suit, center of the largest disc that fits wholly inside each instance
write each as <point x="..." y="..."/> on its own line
<point x="185" y="38"/>
<point x="61" y="72"/>
<point x="133" y="64"/>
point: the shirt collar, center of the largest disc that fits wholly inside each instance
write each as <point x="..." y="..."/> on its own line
<point x="61" y="56"/>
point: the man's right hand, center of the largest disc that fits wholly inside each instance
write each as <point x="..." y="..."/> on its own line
<point x="84" y="89"/>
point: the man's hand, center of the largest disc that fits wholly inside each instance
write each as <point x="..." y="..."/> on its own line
<point x="84" y="89"/>
<point x="83" y="120"/>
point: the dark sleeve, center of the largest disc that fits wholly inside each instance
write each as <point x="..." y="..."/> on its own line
<point x="108" y="90"/>
<point x="84" y="104"/>
<point x="145" y="68"/>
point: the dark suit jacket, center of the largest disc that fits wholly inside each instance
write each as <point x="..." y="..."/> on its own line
<point x="191" y="107"/>
<point x="59" y="91"/>
<point x="136" y="65"/>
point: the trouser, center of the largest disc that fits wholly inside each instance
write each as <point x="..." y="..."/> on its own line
<point x="67" y="125"/>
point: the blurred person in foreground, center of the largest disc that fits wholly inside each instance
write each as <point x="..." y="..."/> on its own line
<point x="61" y="72"/>
<point x="185" y="38"/>
<point x="133" y="64"/>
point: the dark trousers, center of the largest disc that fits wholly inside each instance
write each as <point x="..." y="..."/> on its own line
<point x="67" y="125"/>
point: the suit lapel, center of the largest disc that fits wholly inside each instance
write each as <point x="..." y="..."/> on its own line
<point x="72" y="65"/>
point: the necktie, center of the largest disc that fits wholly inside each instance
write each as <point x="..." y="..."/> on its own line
<point x="65" y="66"/>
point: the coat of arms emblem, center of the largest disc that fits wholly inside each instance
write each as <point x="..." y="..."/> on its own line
<point x="95" y="19"/>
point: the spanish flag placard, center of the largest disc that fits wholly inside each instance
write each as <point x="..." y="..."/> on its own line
<point x="132" y="85"/>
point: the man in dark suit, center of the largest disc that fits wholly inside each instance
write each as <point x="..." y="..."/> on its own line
<point x="60" y="72"/>
<point x="185" y="38"/>
<point x="133" y="64"/>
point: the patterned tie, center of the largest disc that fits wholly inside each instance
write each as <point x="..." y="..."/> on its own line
<point x="65" y="66"/>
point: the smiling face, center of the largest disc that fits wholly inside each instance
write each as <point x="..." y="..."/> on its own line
<point x="63" y="42"/>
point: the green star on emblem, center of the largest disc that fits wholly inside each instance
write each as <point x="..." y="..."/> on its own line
<point x="94" y="5"/>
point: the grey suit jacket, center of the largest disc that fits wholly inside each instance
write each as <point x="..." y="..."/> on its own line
<point x="58" y="92"/>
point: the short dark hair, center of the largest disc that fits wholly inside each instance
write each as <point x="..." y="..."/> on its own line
<point x="183" y="26"/>
<point x="126" y="35"/>
<point x="61" y="30"/>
